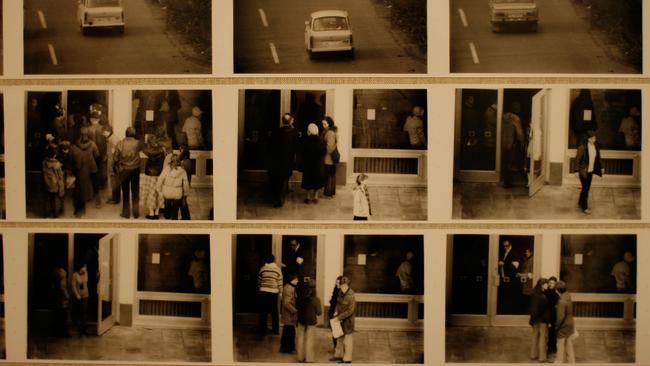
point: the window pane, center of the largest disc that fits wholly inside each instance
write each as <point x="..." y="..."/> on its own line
<point x="378" y="263"/>
<point x="599" y="263"/>
<point x="174" y="263"/>
<point x="478" y="129"/>
<point x="390" y="119"/>
<point x="615" y="115"/>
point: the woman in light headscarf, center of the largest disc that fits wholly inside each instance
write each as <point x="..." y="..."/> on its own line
<point x="312" y="160"/>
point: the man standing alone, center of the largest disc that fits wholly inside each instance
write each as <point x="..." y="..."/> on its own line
<point x="269" y="286"/>
<point x="345" y="309"/>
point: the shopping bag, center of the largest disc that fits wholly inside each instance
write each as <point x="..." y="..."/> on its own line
<point x="337" y="330"/>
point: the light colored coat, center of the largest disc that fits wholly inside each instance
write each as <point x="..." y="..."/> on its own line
<point x="173" y="184"/>
<point x="361" y="207"/>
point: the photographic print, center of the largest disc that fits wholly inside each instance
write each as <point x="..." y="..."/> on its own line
<point x="159" y="310"/>
<point x="507" y="165"/>
<point x="318" y="161"/>
<point x="293" y="303"/>
<point x="534" y="298"/>
<point x="118" y="37"/>
<point x="330" y="36"/>
<point x="536" y="36"/>
<point x="83" y="163"/>
<point x="2" y="157"/>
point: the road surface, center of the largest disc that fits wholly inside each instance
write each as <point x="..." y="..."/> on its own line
<point x="269" y="38"/>
<point x="563" y="43"/>
<point x="54" y="43"/>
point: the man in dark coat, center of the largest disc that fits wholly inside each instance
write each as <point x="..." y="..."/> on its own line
<point x="539" y="319"/>
<point x="588" y="163"/>
<point x="293" y="259"/>
<point x="283" y="152"/>
<point x="345" y="310"/>
<point x="553" y="298"/>
<point x="509" y="286"/>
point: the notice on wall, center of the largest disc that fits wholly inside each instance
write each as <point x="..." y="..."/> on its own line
<point x="155" y="258"/>
<point x="361" y="259"/>
<point x="371" y="115"/>
<point x="578" y="259"/>
<point x="148" y="115"/>
<point x="587" y="115"/>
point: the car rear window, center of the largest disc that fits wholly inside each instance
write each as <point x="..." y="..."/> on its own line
<point x="330" y="23"/>
<point x="101" y="3"/>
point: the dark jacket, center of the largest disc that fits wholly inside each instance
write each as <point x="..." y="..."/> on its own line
<point x="345" y="309"/>
<point x="539" y="309"/>
<point x="564" y="325"/>
<point x="283" y="152"/>
<point x="155" y="160"/>
<point x="309" y="307"/>
<point x="127" y="154"/>
<point x="333" y="300"/>
<point x="582" y="161"/>
<point x="313" y="164"/>
<point x="553" y="299"/>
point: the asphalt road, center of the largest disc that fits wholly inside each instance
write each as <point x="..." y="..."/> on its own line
<point x="54" y="43"/>
<point x="269" y="38"/>
<point x="563" y="43"/>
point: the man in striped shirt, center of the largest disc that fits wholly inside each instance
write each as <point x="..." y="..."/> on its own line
<point x="269" y="287"/>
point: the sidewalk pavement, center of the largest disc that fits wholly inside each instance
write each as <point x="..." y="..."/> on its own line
<point x="388" y="204"/>
<point x="512" y="344"/>
<point x="384" y="347"/>
<point x="126" y="344"/>
<point x="491" y="201"/>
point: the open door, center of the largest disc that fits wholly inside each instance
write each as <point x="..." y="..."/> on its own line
<point x="107" y="267"/>
<point x="536" y="144"/>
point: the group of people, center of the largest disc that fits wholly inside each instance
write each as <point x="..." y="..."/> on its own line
<point x="551" y="317"/>
<point x="63" y="301"/>
<point x="300" y="308"/>
<point x="316" y="155"/>
<point x="82" y="167"/>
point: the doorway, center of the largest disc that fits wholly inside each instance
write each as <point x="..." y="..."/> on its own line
<point x="49" y="252"/>
<point x="489" y="278"/>
<point x="250" y="252"/>
<point x="501" y="136"/>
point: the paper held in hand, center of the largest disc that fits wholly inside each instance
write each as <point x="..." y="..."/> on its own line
<point x="337" y="330"/>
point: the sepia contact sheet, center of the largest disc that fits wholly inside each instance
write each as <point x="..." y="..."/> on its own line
<point x="376" y="182"/>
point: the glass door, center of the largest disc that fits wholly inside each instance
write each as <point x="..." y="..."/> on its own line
<point x="516" y="270"/>
<point x="106" y="286"/>
<point x="470" y="279"/>
<point x="478" y="134"/>
<point x="537" y="146"/>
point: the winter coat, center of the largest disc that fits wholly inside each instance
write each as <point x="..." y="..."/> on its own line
<point x="283" y="152"/>
<point x="329" y="142"/>
<point x="289" y="312"/>
<point x="309" y="307"/>
<point x="564" y="325"/>
<point x="53" y="176"/>
<point x="127" y="154"/>
<point x="539" y="309"/>
<point x="83" y="155"/>
<point x="345" y="309"/>
<point x="312" y="164"/>
<point x="361" y="206"/>
<point x="155" y="160"/>
<point x="173" y="184"/>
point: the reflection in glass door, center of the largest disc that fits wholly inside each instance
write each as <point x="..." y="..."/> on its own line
<point x="470" y="274"/>
<point x="536" y="147"/>
<point x="480" y="113"/>
<point x="515" y="268"/>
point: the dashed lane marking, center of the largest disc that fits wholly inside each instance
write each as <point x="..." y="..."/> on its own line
<point x="41" y="17"/>
<point x="274" y="53"/>
<point x="472" y="49"/>
<point x="263" y="17"/>
<point x="463" y="18"/>
<point x="50" y="48"/>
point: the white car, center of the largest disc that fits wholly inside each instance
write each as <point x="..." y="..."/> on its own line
<point x="100" y="14"/>
<point x="328" y="31"/>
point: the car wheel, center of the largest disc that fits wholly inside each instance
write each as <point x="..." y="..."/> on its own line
<point x="534" y="27"/>
<point x="351" y="53"/>
<point x="120" y="30"/>
<point x="495" y="28"/>
<point x="85" y="31"/>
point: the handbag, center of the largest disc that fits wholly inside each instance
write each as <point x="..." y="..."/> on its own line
<point x="336" y="156"/>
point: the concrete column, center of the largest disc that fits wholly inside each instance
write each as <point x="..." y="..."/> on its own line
<point x="15" y="256"/>
<point x="222" y="272"/>
<point x="550" y="248"/>
<point x="343" y="107"/>
<point x="127" y="267"/>
<point x="14" y="189"/>
<point x="557" y="137"/>
<point x="121" y="111"/>
<point x="333" y="264"/>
